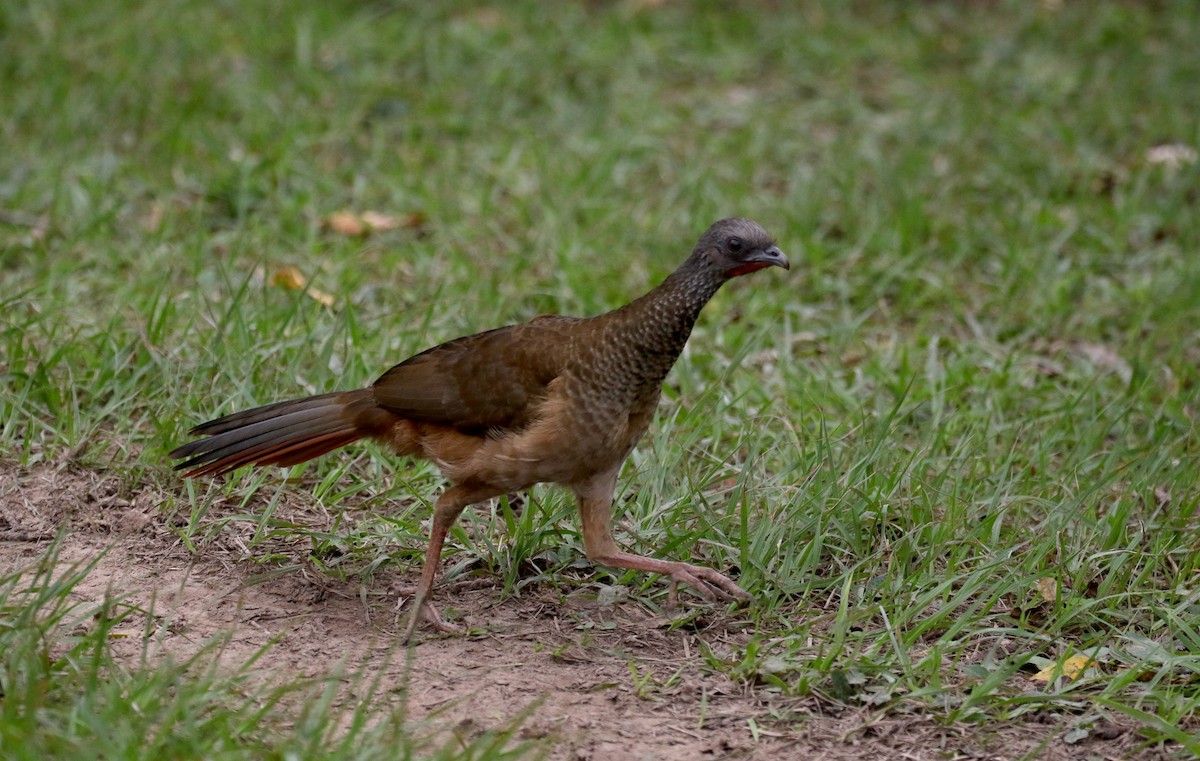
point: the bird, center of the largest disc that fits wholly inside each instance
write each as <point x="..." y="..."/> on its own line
<point x="557" y="399"/>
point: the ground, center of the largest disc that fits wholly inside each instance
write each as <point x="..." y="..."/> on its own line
<point x="587" y="679"/>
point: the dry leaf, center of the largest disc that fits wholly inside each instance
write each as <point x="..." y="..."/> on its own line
<point x="1171" y="155"/>
<point x="321" y="297"/>
<point x="377" y="220"/>
<point x="354" y="224"/>
<point x="1071" y="668"/>
<point x="292" y="279"/>
<point x="1047" y="588"/>
<point x="288" y="277"/>
<point x="380" y="221"/>
<point x="346" y="223"/>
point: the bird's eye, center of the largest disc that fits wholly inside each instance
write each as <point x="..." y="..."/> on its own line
<point x="735" y="244"/>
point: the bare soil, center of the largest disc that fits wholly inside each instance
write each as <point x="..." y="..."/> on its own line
<point x="593" y="681"/>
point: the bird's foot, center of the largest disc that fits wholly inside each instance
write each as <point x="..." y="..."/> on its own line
<point x="710" y="584"/>
<point x="425" y="611"/>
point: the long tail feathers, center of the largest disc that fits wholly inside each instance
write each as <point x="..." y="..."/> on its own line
<point x="287" y="433"/>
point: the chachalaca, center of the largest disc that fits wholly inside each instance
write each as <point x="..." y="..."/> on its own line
<point x="554" y="400"/>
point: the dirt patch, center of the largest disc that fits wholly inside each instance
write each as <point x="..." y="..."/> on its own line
<point x="597" y="681"/>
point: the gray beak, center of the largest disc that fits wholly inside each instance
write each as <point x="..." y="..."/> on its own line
<point x="772" y="256"/>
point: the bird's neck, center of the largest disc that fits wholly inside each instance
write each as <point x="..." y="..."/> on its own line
<point x="656" y="326"/>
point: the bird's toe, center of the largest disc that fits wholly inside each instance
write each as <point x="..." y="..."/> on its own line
<point x="718" y="585"/>
<point x="427" y="613"/>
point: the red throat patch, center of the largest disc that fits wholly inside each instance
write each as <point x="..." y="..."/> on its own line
<point x="746" y="269"/>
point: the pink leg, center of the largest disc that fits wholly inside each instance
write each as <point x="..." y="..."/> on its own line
<point x="449" y="506"/>
<point x="595" y="507"/>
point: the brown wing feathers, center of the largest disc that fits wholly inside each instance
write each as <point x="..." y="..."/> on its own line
<point x="490" y="380"/>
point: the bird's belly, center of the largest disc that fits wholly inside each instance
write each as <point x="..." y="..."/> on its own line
<point x="577" y="432"/>
<point x="564" y="453"/>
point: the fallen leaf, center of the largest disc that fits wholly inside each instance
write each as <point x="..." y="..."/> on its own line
<point x="292" y="279"/>
<point x="345" y="223"/>
<point x="1047" y="588"/>
<point x="410" y="221"/>
<point x="288" y="277"/>
<point x="377" y="220"/>
<point x="1171" y="155"/>
<point x="1071" y="668"/>
<point x="355" y="224"/>
<point x="321" y="297"/>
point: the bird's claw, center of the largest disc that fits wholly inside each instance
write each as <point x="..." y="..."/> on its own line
<point x="427" y="613"/>
<point x="709" y="584"/>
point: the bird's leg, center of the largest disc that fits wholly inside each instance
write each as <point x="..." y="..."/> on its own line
<point x="449" y="506"/>
<point x="595" y="507"/>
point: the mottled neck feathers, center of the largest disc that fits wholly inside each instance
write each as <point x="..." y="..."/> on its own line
<point x="652" y="330"/>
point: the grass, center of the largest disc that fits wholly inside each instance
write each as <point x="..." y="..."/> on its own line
<point x="982" y="371"/>
<point x="64" y="697"/>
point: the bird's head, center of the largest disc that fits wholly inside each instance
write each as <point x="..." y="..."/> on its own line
<point x="737" y="246"/>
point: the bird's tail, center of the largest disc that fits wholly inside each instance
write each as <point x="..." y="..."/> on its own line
<point x="283" y="434"/>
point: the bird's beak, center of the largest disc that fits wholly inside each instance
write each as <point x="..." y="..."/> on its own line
<point x="772" y="257"/>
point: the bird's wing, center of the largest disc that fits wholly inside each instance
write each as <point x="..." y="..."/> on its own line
<point x="488" y="381"/>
